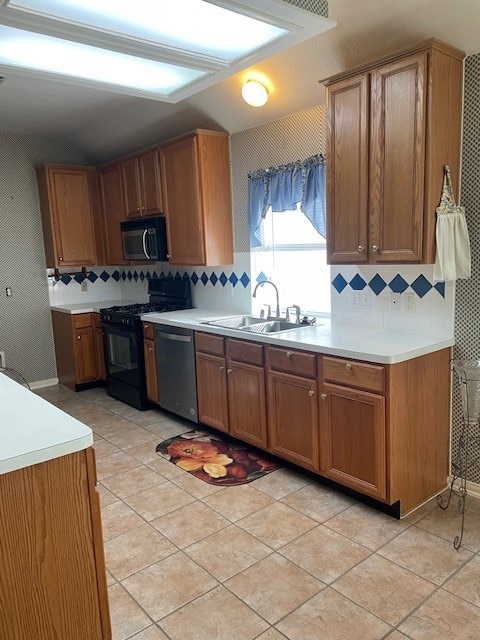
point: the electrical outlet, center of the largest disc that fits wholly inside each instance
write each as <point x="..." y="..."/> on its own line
<point x="361" y="300"/>
<point x="395" y="301"/>
<point x="2" y="360"/>
<point x="409" y="302"/>
<point x="84" y="285"/>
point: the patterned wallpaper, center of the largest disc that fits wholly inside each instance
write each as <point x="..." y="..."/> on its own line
<point x="25" y="323"/>
<point x="467" y="302"/>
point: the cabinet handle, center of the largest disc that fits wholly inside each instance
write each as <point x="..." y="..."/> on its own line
<point x="229" y="371"/>
<point x="360" y="249"/>
<point x="222" y="368"/>
<point x="323" y="396"/>
<point x="311" y="393"/>
<point x="374" y="248"/>
<point x="348" y="365"/>
<point x="79" y="337"/>
<point x="288" y="354"/>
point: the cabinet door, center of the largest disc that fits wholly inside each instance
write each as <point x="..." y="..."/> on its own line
<point x="182" y="202"/>
<point x="72" y="216"/>
<point x="212" y="391"/>
<point x="85" y="355"/>
<point x="397" y="166"/>
<point x="151" y="370"/>
<point x="347" y="170"/>
<point x="293" y="418"/>
<point x="151" y="188"/>
<point x="111" y="191"/>
<point x="131" y="188"/>
<point x="246" y="402"/>
<point x="353" y="439"/>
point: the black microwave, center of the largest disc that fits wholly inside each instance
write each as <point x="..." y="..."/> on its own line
<point x="145" y="239"/>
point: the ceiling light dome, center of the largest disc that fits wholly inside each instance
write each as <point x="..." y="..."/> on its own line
<point x="255" y="93"/>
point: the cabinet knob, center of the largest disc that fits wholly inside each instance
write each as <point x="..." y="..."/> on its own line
<point x="144" y="208"/>
<point x="323" y="396"/>
<point x="374" y="248"/>
<point x="229" y="371"/>
<point x="150" y="348"/>
<point x="288" y="354"/>
<point x="60" y="259"/>
<point x="360" y="249"/>
<point x="168" y="256"/>
<point x="222" y="368"/>
<point x="79" y="337"/>
<point x="311" y="393"/>
<point x="138" y="208"/>
<point x="348" y="365"/>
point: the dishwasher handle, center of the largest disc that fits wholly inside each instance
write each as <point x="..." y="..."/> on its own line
<point x="173" y="336"/>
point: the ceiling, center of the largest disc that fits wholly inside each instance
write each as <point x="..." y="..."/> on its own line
<point x="106" y="125"/>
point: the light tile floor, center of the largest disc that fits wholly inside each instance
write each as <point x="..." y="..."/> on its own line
<point x="280" y="558"/>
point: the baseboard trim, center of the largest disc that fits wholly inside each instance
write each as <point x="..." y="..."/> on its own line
<point x="39" y="384"/>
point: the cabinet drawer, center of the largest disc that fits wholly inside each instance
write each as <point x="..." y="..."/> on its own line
<point x="96" y="320"/>
<point x="209" y="343"/>
<point x="354" y="374"/>
<point x="244" y="351"/>
<point x="148" y="331"/>
<point x="299" y="362"/>
<point x="82" y="320"/>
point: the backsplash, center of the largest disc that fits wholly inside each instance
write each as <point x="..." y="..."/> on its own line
<point x="222" y="287"/>
<point x="362" y="297"/>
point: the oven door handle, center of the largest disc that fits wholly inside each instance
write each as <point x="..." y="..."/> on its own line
<point x="144" y="242"/>
<point x="173" y="336"/>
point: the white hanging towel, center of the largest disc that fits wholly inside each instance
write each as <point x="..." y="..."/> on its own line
<point x="453" y="246"/>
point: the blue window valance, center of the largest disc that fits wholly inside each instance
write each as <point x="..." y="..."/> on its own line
<point x="283" y="188"/>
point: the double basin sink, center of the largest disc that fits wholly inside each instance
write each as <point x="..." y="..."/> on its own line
<point x="255" y="324"/>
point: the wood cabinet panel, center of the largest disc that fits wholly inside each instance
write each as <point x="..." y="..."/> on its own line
<point x="212" y="391"/>
<point x="150" y="183"/>
<point x="366" y="376"/>
<point x="247" y="402"/>
<point x="353" y="439"/>
<point x="99" y="348"/>
<point x="347" y="170"/>
<point x="209" y="343"/>
<point x="197" y="198"/>
<point x="243" y="351"/>
<point x="131" y="188"/>
<point x="113" y="207"/>
<point x="298" y="362"/>
<point x="148" y="331"/>
<point x="392" y="126"/>
<point x="52" y="571"/>
<point x="151" y="371"/>
<point x="85" y="356"/>
<point x="70" y="220"/>
<point x="293" y="418"/>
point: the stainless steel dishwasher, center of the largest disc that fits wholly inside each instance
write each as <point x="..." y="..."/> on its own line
<point x="175" y="355"/>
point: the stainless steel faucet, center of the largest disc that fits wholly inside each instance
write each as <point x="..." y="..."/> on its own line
<point x="254" y="295"/>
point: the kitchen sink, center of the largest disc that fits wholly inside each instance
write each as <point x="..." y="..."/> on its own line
<point x="235" y="322"/>
<point x="273" y="326"/>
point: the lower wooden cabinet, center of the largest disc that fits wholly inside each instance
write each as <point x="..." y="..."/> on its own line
<point x="293" y="428"/>
<point x="231" y="387"/>
<point x="381" y="430"/>
<point x="52" y="568"/>
<point x="353" y="441"/>
<point x="150" y="362"/>
<point x="78" y="348"/>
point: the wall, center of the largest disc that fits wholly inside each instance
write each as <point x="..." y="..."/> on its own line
<point x="25" y="323"/>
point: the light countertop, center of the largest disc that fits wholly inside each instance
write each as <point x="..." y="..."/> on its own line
<point x="32" y="430"/>
<point x="350" y="342"/>
<point x="91" y="307"/>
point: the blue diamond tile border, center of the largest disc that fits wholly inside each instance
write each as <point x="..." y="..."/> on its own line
<point x="421" y="285"/>
<point x="377" y="284"/>
<point x="339" y="283"/>
<point x="398" y="284"/>
<point x="358" y="283"/>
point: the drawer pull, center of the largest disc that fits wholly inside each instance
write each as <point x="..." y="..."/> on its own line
<point x="288" y="354"/>
<point x="348" y="365"/>
<point x="323" y="396"/>
<point x="229" y="371"/>
<point x="311" y="393"/>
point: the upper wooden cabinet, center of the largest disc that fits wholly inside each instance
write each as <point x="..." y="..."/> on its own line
<point x="392" y="126"/>
<point x="69" y="208"/>
<point x="142" y="188"/>
<point x="113" y="207"/>
<point x="197" y="198"/>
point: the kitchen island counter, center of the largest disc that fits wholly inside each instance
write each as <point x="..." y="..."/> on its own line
<point x="381" y="347"/>
<point x="32" y="430"/>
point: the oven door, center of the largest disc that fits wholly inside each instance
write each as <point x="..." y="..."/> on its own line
<point x="125" y="365"/>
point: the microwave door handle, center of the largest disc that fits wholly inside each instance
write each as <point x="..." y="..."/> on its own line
<point x="144" y="241"/>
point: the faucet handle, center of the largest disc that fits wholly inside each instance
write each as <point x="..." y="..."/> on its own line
<point x="297" y="313"/>
<point x="265" y="308"/>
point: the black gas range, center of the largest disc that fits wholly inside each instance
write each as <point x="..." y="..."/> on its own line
<point x="123" y="338"/>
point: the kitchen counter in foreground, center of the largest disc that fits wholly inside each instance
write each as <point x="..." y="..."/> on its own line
<point x="90" y="307"/>
<point x="32" y="430"/>
<point x="381" y="347"/>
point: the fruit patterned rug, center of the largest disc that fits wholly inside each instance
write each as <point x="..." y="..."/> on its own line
<point x="215" y="461"/>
